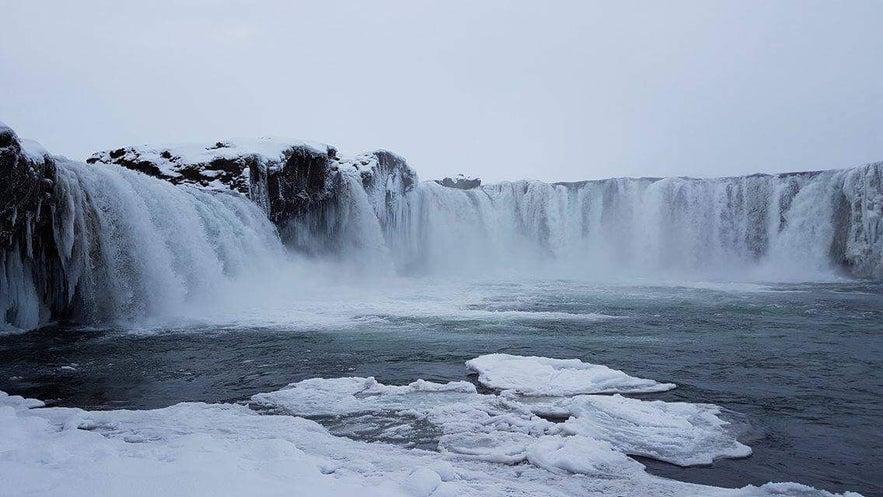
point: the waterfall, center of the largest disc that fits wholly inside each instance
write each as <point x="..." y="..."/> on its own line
<point x="100" y="243"/>
<point x="130" y="247"/>
<point x="794" y="227"/>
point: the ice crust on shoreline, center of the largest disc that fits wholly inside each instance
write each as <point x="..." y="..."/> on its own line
<point x="544" y="376"/>
<point x="487" y="444"/>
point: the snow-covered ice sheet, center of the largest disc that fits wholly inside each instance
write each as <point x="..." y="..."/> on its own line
<point x="461" y="421"/>
<point x="511" y="429"/>
<point x="186" y="449"/>
<point x="545" y="376"/>
<point x="199" y="449"/>
<point x="680" y="433"/>
<point x="482" y="444"/>
<point x="338" y="396"/>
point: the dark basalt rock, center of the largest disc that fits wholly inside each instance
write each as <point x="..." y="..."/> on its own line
<point x="388" y="165"/>
<point x="283" y="178"/>
<point x="22" y="188"/>
<point x="28" y="245"/>
<point x="306" y="180"/>
<point x="309" y="193"/>
<point x="460" y="182"/>
<point x="218" y="170"/>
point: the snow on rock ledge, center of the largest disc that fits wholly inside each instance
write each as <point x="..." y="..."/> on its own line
<point x="222" y="165"/>
<point x="303" y="187"/>
<point x="544" y="376"/>
<point x="460" y="182"/>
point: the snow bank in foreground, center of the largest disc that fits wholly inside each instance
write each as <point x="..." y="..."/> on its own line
<point x="556" y="377"/>
<point x="487" y="445"/>
<point x="219" y="450"/>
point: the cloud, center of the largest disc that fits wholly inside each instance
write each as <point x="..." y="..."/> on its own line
<point x="502" y="90"/>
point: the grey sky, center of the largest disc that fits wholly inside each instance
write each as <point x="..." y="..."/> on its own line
<point x="501" y="90"/>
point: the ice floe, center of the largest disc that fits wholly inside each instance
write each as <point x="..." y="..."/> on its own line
<point x="680" y="433"/>
<point x="545" y="376"/>
<point x="511" y="429"/>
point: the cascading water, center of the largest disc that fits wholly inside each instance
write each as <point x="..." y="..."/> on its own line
<point x="130" y="247"/>
<point x="789" y="227"/>
<point x="100" y="243"/>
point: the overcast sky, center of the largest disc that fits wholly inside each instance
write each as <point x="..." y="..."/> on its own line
<point x="501" y="90"/>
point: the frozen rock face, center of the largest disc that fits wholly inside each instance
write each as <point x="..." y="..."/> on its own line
<point x="858" y="218"/>
<point x="325" y="205"/>
<point x="460" y="182"/>
<point x="286" y="178"/>
<point x="27" y="173"/>
<point x="28" y="259"/>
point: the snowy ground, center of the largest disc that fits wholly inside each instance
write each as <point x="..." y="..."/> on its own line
<point x="506" y="444"/>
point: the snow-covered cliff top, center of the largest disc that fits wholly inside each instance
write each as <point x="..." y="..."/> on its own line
<point x="222" y="165"/>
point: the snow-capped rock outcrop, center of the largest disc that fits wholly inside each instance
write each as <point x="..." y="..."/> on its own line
<point x="301" y="186"/>
<point x="460" y="182"/>
<point x="221" y="165"/>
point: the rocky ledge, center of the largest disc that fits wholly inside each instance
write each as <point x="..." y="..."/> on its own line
<point x="460" y="182"/>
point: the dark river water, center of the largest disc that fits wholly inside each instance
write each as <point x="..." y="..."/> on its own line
<point x="801" y="364"/>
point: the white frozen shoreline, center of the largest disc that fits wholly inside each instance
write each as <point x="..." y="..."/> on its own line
<point x="231" y="449"/>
